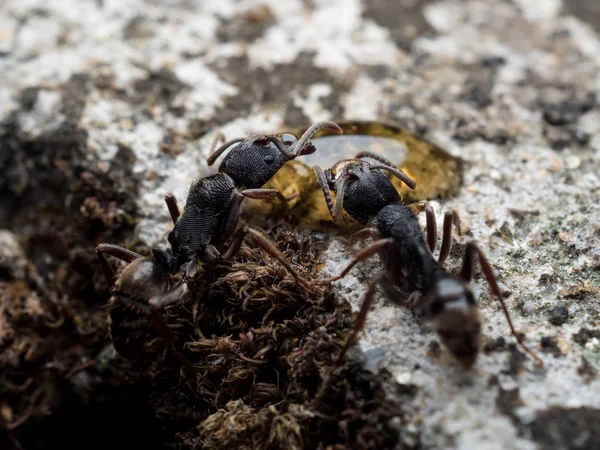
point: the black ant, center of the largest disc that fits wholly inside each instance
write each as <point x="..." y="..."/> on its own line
<point x="211" y="213"/>
<point x="412" y="276"/>
<point x="209" y="219"/>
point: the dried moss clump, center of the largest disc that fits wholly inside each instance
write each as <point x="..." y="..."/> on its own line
<point x="261" y="344"/>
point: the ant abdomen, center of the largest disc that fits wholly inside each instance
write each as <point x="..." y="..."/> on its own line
<point x="457" y="319"/>
<point x="130" y="323"/>
<point x="134" y="321"/>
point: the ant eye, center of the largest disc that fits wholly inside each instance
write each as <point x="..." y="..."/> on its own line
<point x="288" y="138"/>
<point x="269" y="159"/>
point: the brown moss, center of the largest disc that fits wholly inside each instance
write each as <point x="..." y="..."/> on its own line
<point x="261" y="345"/>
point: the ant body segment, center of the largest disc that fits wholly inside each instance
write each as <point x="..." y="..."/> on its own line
<point x="412" y="276"/>
<point x="256" y="159"/>
<point x="361" y="189"/>
<point x="143" y="285"/>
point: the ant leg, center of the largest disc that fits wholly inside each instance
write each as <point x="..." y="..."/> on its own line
<point x="339" y="197"/>
<point x="167" y="336"/>
<point x="361" y="317"/>
<point x="211" y="253"/>
<point x="466" y="274"/>
<point x="376" y="157"/>
<point x="388" y="165"/>
<point x="450" y="218"/>
<point x="335" y="212"/>
<point x="233" y="215"/>
<point x="219" y="138"/>
<point x="263" y="242"/>
<point x="216" y="153"/>
<point x="159" y="301"/>
<point x="281" y="147"/>
<point x="363" y="255"/>
<point x="431" y="222"/>
<point x="393" y="294"/>
<point x="113" y="250"/>
<point x="351" y="337"/>
<point x="171" y="202"/>
<point x="236" y="243"/>
<point x="265" y="194"/>
<point x="394" y="284"/>
<point x="390" y="283"/>
<point x="365" y="233"/>
<point x="398" y="174"/>
<point x="302" y="146"/>
<point x="117" y="251"/>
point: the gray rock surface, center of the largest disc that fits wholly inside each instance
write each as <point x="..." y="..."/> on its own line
<point x="510" y="87"/>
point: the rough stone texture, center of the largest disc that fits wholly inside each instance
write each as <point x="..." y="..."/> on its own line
<point x="510" y="87"/>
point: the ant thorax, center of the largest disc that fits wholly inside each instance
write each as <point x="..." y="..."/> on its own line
<point x="207" y="202"/>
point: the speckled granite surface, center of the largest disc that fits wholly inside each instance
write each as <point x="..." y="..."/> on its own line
<point x="509" y="86"/>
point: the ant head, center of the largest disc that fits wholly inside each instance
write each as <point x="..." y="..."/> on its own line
<point x="255" y="160"/>
<point x="456" y="318"/>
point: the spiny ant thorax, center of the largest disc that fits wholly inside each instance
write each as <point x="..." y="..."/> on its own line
<point x="205" y="209"/>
